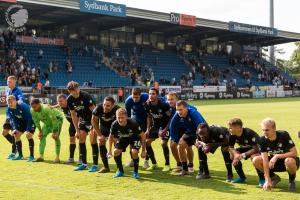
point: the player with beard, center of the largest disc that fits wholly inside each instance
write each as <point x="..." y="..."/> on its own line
<point x="81" y="106"/>
<point x="135" y="107"/>
<point x="104" y="114"/>
<point x="158" y="117"/>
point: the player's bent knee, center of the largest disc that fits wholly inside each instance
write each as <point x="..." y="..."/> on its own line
<point x="117" y="152"/>
<point x="29" y="136"/>
<point x="72" y="140"/>
<point x="102" y="140"/>
<point x="5" y="132"/>
<point x="290" y="162"/>
<point x="135" y="153"/>
<point x="257" y="161"/>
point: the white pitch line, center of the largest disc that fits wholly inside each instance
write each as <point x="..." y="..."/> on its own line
<point x="98" y="194"/>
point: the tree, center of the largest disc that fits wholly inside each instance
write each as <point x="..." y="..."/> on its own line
<point x="294" y="62"/>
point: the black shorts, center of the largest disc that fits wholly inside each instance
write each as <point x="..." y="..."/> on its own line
<point x="7" y="124"/>
<point x="189" y="139"/>
<point x="134" y="142"/>
<point x="244" y="150"/>
<point x="105" y="131"/>
<point x="280" y="165"/>
<point x="72" y="130"/>
<point x="85" y="125"/>
<point x="154" y="134"/>
<point x="22" y="128"/>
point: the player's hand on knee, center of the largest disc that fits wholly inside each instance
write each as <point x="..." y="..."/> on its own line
<point x="143" y="154"/>
<point x="40" y="135"/>
<point x="28" y="135"/>
<point x="235" y="161"/>
<point x="77" y="134"/>
<point x="109" y="154"/>
<point x="54" y="136"/>
<point x="272" y="162"/>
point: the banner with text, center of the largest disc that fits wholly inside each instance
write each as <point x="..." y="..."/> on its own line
<point x="171" y="88"/>
<point x="197" y="89"/>
<point x="252" y="29"/>
<point x="183" y="19"/>
<point x="103" y="8"/>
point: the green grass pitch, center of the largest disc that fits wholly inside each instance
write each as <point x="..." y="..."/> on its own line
<point x="22" y="180"/>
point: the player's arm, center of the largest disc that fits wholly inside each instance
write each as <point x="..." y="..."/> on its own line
<point x="9" y="116"/>
<point x="20" y="96"/>
<point x="75" y="120"/>
<point x="292" y="153"/>
<point x="268" y="183"/>
<point x="252" y="151"/>
<point x="174" y="129"/>
<point x="128" y="107"/>
<point x="149" y="122"/>
<point x="36" y="121"/>
<point x="110" y="143"/>
<point x="95" y="124"/>
<point x="28" y="118"/>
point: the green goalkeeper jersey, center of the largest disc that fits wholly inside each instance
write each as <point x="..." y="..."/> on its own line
<point x="50" y="117"/>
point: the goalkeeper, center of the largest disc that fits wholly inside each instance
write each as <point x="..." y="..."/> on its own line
<point x="52" y="120"/>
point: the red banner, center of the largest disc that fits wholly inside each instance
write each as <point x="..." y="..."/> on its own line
<point x="9" y="1"/>
<point x="187" y="20"/>
<point x="40" y="40"/>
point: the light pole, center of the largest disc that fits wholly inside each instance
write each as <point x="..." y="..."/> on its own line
<point x="271" y="49"/>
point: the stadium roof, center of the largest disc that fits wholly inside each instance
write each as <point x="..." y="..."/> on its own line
<point x="66" y="12"/>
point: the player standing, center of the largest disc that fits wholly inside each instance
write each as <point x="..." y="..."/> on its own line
<point x="7" y="126"/>
<point x="157" y="126"/>
<point x="135" y="107"/>
<point x="52" y="121"/>
<point x="105" y="114"/>
<point x="63" y="104"/>
<point x="127" y="132"/>
<point x="22" y="122"/>
<point x="183" y="129"/>
<point x="172" y="99"/>
<point x="248" y="141"/>
<point x="81" y="105"/>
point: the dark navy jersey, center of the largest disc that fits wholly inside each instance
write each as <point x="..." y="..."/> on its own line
<point x="217" y="134"/>
<point x="17" y="92"/>
<point x="132" y="129"/>
<point x="106" y="119"/>
<point x="137" y="110"/>
<point x="187" y="125"/>
<point x="282" y="144"/>
<point x="21" y="116"/>
<point x="67" y="114"/>
<point x="82" y="105"/>
<point x="160" y="113"/>
<point x="248" y="138"/>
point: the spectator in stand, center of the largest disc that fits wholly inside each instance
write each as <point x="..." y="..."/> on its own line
<point x="39" y="87"/>
<point x="50" y="67"/>
<point x="47" y="83"/>
<point x="41" y="54"/>
<point x="120" y="94"/>
<point x="133" y="79"/>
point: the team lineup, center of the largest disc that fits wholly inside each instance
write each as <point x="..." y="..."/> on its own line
<point x="145" y="118"/>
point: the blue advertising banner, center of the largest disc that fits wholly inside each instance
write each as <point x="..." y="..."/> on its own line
<point x="259" y="94"/>
<point x="103" y="8"/>
<point x="252" y="29"/>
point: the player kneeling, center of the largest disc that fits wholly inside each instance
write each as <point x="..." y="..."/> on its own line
<point x="22" y="122"/>
<point x="126" y="132"/>
<point x="278" y="154"/>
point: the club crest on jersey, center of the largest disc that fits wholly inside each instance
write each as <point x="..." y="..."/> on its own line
<point x="221" y="136"/>
<point x="246" y="141"/>
<point x="279" y="144"/>
<point x="253" y="139"/>
<point x="291" y="142"/>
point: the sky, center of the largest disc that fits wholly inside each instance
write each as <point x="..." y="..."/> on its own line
<point x="287" y="13"/>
